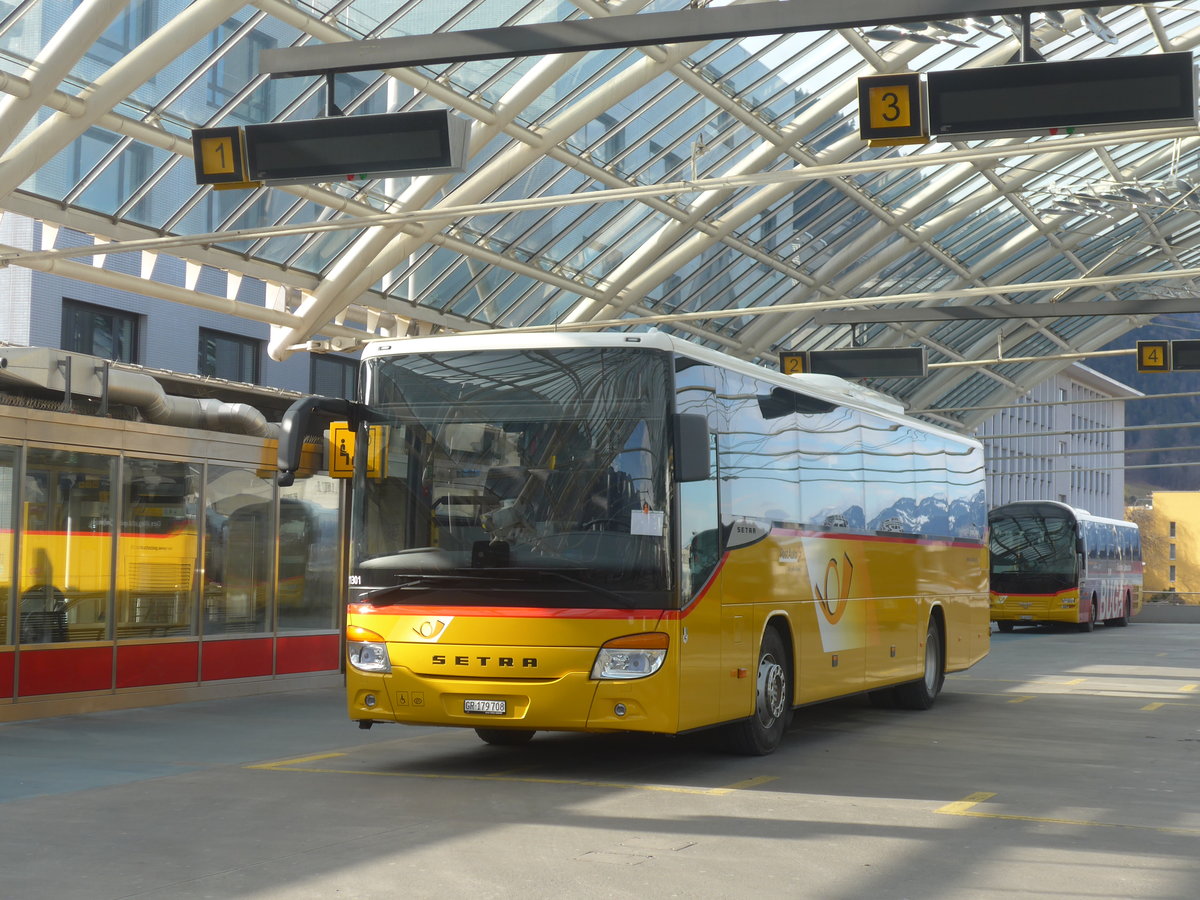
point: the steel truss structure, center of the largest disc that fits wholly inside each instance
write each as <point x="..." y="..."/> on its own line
<point x="717" y="189"/>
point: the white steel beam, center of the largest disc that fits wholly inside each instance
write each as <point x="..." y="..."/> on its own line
<point x="110" y="88"/>
<point x="55" y="62"/>
<point x="685" y="26"/>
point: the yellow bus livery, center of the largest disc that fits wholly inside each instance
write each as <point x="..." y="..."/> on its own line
<point x="628" y="532"/>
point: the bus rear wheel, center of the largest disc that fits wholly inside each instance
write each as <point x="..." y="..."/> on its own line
<point x="1122" y="620"/>
<point x="1006" y="625"/>
<point x="760" y="734"/>
<point x="920" y="694"/>
<point x="505" y="737"/>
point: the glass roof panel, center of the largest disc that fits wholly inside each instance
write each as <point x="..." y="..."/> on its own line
<point x="618" y="119"/>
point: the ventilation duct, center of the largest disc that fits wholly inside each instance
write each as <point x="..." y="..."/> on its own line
<point x="77" y="375"/>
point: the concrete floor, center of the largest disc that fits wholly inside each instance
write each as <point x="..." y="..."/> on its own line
<point x="1065" y="765"/>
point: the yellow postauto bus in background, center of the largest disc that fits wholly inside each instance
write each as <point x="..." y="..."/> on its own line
<point x="1051" y="563"/>
<point x="629" y="532"/>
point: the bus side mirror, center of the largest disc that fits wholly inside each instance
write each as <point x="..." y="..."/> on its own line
<point x="691" y="447"/>
<point x="297" y="422"/>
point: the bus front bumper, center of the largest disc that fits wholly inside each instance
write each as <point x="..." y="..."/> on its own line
<point x="1034" y="608"/>
<point x="570" y="702"/>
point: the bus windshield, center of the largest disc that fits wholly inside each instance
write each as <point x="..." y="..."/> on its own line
<point x="532" y="478"/>
<point x="1033" y="551"/>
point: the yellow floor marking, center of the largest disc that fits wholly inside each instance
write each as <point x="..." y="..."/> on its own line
<point x="504" y="773"/>
<point x="963" y="808"/>
<point x="1074" y="681"/>
<point x="959" y="807"/>
<point x="1022" y="698"/>
<point x="291" y="762"/>
<point x="1151" y="707"/>
<point x="748" y="783"/>
<point x="1188" y="688"/>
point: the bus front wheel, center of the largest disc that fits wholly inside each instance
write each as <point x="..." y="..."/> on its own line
<point x="760" y="734"/>
<point x="1006" y="625"/>
<point x="505" y="737"/>
<point x="1090" y="624"/>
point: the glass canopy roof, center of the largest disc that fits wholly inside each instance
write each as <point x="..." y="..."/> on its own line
<point x="715" y="190"/>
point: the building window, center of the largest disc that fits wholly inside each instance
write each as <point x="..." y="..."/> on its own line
<point x="235" y="68"/>
<point x="229" y="356"/>
<point x="334" y="376"/>
<point x="1171" y="577"/>
<point x="132" y="27"/>
<point x="1172" y="556"/>
<point x="99" y="331"/>
<point x="1172" y="529"/>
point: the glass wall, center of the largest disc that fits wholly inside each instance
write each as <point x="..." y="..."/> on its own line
<point x="8" y="525"/>
<point x="156" y="555"/>
<point x="107" y="547"/>
<point x="239" y="553"/>
<point x="310" y="577"/>
<point x="66" y="546"/>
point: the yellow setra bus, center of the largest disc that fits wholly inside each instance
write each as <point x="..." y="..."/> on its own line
<point x="629" y="532"/>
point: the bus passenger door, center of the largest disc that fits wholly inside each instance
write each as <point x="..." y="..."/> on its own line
<point x="699" y="636"/>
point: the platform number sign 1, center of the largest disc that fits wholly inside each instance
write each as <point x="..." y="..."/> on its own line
<point x="219" y="155"/>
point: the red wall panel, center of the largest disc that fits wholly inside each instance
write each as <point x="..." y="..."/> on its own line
<point x="65" y="670"/>
<point x="7" y="660"/>
<point x="235" y="659"/>
<point x="139" y="665"/>
<point x="307" y="653"/>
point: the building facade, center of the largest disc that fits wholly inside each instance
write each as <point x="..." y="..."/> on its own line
<point x="1063" y="441"/>
<point x="1170" y="526"/>
<point x="44" y="309"/>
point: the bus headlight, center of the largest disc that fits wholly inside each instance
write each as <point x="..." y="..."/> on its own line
<point x="631" y="656"/>
<point x="367" y="651"/>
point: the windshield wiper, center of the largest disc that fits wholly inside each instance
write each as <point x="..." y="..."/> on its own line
<point x="627" y="602"/>
<point x="511" y="577"/>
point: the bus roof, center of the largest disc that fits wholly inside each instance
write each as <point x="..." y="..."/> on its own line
<point x="823" y="387"/>
<point x="1081" y="515"/>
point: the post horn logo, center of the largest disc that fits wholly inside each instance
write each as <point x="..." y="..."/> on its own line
<point x="431" y="629"/>
<point x="832" y="600"/>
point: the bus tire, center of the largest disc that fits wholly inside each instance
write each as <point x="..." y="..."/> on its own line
<point x="762" y="732"/>
<point x="1006" y="625"/>
<point x="921" y="693"/>
<point x="1090" y="624"/>
<point x="505" y="737"/>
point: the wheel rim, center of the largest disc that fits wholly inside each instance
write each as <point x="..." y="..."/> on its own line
<point x="772" y="690"/>
<point x="931" y="665"/>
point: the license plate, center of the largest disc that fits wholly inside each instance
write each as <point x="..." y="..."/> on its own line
<point x="486" y="707"/>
